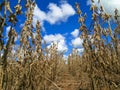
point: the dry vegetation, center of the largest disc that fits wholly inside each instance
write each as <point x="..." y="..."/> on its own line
<point x="35" y="68"/>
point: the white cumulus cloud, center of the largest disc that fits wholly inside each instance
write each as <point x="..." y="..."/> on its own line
<point x="59" y="13"/>
<point x="75" y="33"/>
<point x="55" y="13"/>
<point x="58" y="39"/>
<point x="77" y="42"/>
<point x="62" y="46"/>
<point x="51" y="38"/>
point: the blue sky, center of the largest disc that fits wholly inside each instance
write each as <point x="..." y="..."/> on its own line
<point x="60" y="22"/>
<point x="63" y="27"/>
